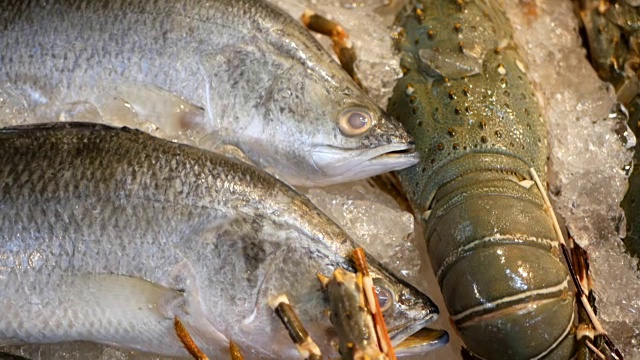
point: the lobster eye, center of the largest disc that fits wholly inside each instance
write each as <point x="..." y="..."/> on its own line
<point x="355" y="121"/>
<point x="385" y="297"/>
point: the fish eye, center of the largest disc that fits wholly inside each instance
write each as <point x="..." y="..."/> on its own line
<point x="355" y="121"/>
<point x="385" y="297"/>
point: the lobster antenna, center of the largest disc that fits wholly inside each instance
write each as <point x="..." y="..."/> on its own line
<point x="595" y="351"/>
<point x="187" y="340"/>
<point x="560" y="237"/>
<point x="342" y="46"/>
<point x="565" y="252"/>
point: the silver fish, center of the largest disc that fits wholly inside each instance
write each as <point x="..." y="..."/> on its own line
<point x="107" y="234"/>
<point x="242" y="72"/>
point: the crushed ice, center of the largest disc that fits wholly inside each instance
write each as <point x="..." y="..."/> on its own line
<point x="374" y="220"/>
<point x="590" y="147"/>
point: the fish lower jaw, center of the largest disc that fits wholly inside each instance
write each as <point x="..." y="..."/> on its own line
<point x="399" y="333"/>
<point x="340" y="165"/>
<point x="400" y="158"/>
<point x="416" y="338"/>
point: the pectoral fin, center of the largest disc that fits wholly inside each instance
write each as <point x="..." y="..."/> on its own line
<point x="150" y="106"/>
<point x="149" y="305"/>
<point x="112" y="309"/>
<point x="215" y="142"/>
<point x="129" y="297"/>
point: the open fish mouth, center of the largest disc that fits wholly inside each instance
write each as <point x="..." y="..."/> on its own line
<point x="415" y="338"/>
<point x="343" y="165"/>
<point x="420" y="342"/>
<point x="399" y="333"/>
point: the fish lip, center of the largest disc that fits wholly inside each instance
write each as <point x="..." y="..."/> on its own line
<point x="425" y="346"/>
<point x="347" y="163"/>
<point x="399" y="333"/>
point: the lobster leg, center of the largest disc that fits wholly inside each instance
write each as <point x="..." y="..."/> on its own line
<point x="356" y="314"/>
<point x="187" y="340"/>
<point x="579" y="270"/>
<point x="339" y="37"/>
<point x="234" y="350"/>
<point x="305" y="344"/>
<point x="589" y="341"/>
<point x="194" y="350"/>
<point x="372" y="303"/>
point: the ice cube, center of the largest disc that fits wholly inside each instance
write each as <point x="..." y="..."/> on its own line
<point x="374" y="220"/>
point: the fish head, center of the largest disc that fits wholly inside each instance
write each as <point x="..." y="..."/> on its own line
<point x="350" y="320"/>
<point x="334" y="132"/>
<point x="405" y="309"/>
<point x="365" y="141"/>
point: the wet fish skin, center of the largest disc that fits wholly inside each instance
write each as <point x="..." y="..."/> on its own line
<point x="241" y="72"/>
<point x="107" y="234"/>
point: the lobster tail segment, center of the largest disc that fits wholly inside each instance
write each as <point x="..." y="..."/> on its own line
<point x="494" y="251"/>
<point x="466" y="100"/>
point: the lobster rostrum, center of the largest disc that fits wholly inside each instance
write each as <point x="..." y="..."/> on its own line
<point x="466" y="100"/>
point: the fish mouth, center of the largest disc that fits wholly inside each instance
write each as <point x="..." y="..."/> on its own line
<point x="401" y="332"/>
<point x="343" y="165"/>
<point x="415" y="338"/>
<point x="421" y="342"/>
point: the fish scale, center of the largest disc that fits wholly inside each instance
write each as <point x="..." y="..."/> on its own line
<point x="466" y="100"/>
<point x="214" y="74"/>
<point x="107" y="234"/>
